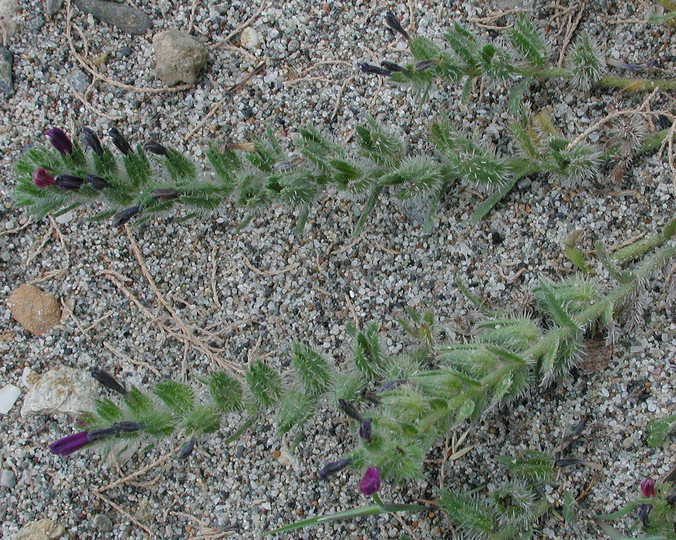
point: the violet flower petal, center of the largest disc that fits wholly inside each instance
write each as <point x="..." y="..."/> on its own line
<point x="42" y="178"/>
<point x="67" y="445"/>
<point x="60" y="141"/>
<point x="370" y="484"/>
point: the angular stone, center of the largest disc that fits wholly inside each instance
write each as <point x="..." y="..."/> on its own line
<point x="43" y="529"/>
<point x="179" y="57"/>
<point x="128" y="19"/>
<point x="8" y="396"/>
<point x="102" y="522"/>
<point x="35" y="310"/>
<point x="7" y="479"/>
<point x="60" y="390"/>
<point x="6" y="79"/>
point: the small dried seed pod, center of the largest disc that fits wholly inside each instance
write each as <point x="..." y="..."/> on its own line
<point x="155" y="148"/>
<point x="96" y="182"/>
<point x="425" y="64"/>
<point x="123" y="217"/>
<point x="68" y="182"/>
<point x="119" y="141"/>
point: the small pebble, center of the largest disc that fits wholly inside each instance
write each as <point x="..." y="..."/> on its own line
<point x="102" y="522"/>
<point x="7" y="479"/>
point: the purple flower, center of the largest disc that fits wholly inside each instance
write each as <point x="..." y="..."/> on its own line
<point x="371" y="481"/>
<point x="70" y="444"/>
<point x="333" y="467"/>
<point x="42" y="178"/>
<point x="60" y="141"/>
<point x="648" y="487"/>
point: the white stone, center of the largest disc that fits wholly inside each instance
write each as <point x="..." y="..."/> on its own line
<point x="8" y="396"/>
<point x="61" y="390"/>
<point x="250" y="38"/>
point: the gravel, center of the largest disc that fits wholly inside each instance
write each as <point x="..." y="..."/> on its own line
<point x="338" y="279"/>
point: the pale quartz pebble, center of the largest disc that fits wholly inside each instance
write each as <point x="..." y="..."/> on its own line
<point x="8" y="396"/>
<point x="250" y="38"/>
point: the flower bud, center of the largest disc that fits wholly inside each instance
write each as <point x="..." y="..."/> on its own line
<point x="164" y="194"/>
<point x="155" y="148"/>
<point x="96" y="182"/>
<point x="42" y="178"/>
<point x="92" y="140"/>
<point x="98" y="434"/>
<point x="187" y="449"/>
<point x="370" y="68"/>
<point x="370" y="483"/>
<point x="107" y="380"/>
<point x="60" y="141"/>
<point x="349" y="410"/>
<point x="68" y="182"/>
<point x="122" y="217"/>
<point x="333" y="468"/>
<point x="129" y="427"/>
<point x="391" y="66"/>
<point x="366" y="429"/>
<point x="643" y="510"/>
<point x="119" y="141"/>
<point x="648" y="487"/>
<point x="393" y="22"/>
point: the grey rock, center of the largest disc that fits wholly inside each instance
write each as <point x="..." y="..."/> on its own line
<point x="103" y="523"/>
<point x="43" y="529"/>
<point x="52" y="7"/>
<point x="79" y="80"/>
<point x="524" y="183"/>
<point x="36" y="23"/>
<point x="6" y="62"/>
<point x="125" y="51"/>
<point x="60" y="390"/>
<point x="128" y="19"/>
<point x="179" y="57"/>
<point x="7" y="479"/>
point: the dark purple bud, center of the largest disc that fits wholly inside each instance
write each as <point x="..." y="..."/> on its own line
<point x="164" y="194"/>
<point x="42" y="178"/>
<point x="91" y="139"/>
<point x="389" y="385"/>
<point x="366" y="429"/>
<point x="391" y="66"/>
<point x="393" y="22"/>
<point x="643" y="511"/>
<point x="68" y="182"/>
<point x="155" y="148"/>
<point x="663" y="121"/>
<point x="119" y="141"/>
<point x="96" y="182"/>
<point x="371" y="481"/>
<point x="129" y="427"/>
<point x="425" y="64"/>
<point x="333" y="468"/>
<point x="60" y="141"/>
<point x="349" y="409"/>
<point x="372" y="397"/>
<point x="122" y="217"/>
<point x="648" y="487"/>
<point x="70" y="444"/>
<point x="99" y="434"/>
<point x="107" y="380"/>
<point x="671" y="499"/>
<point x="187" y="449"/>
<point x="370" y="68"/>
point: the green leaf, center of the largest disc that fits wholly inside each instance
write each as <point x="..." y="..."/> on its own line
<point x="385" y="148"/>
<point x="485" y="207"/>
<point x="295" y="408"/>
<point x="180" y="398"/>
<point x="225" y="391"/>
<point x="312" y="369"/>
<point x="265" y="384"/>
<point x="525" y="38"/>
<point x="108" y="411"/>
<point x="178" y="166"/>
<point x="367" y="355"/>
<point x="138" y="167"/>
<point x="203" y="419"/>
<point x="138" y="402"/>
<point x="226" y="163"/>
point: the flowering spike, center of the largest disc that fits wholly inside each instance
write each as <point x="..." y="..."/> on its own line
<point x="67" y="445"/>
<point x="42" y="178"/>
<point x="92" y="140"/>
<point x="60" y="141"/>
<point x="68" y="182"/>
<point x="648" y="487"/>
<point x="107" y="380"/>
<point x="99" y="434"/>
<point x="119" y="141"/>
<point x="371" y="481"/>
